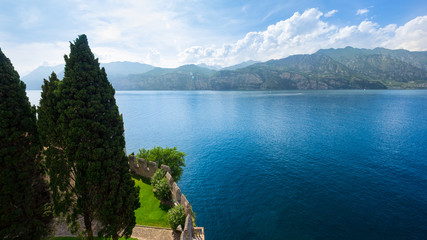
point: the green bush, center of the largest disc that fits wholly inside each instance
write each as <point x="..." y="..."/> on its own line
<point x="167" y="156"/>
<point x="163" y="190"/>
<point x="158" y="175"/>
<point x="176" y="217"/>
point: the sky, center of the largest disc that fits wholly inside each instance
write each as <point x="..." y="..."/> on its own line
<point x="168" y="33"/>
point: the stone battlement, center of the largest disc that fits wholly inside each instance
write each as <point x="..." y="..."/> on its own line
<point x="141" y="168"/>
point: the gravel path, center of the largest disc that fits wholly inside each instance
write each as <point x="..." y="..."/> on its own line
<point x="139" y="232"/>
<point x="153" y="233"/>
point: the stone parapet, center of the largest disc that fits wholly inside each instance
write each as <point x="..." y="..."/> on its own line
<point x="141" y="168"/>
<point x="188" y="232"/>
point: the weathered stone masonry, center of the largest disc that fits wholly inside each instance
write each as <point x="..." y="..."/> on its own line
<point x="141" y="168"/>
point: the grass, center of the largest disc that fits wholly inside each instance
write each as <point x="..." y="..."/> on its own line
<point x="95" y="238"/>
<point x="152" y="212"/>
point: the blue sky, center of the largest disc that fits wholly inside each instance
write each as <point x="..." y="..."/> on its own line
<point x="173" y="33"/>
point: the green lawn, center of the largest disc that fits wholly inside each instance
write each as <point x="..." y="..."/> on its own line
<point x="96" y="238"/>
<point x="151" y="212"/>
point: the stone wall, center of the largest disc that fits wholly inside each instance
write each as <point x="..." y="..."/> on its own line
<point x="188" y="232"/>
<point x="141" y="168"/>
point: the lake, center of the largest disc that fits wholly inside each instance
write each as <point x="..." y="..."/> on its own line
<point x="292" y="164"/>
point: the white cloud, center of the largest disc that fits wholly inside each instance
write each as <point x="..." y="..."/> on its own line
<point x="362" y="11"/>
<point x="306" y="33"/>
<point x="412" y="36"/>
<point x="245" y="8"/>
<point x="330" y="13"/>
<point x="281" y="39"/>
<point x="272" y="12"/>
<point x="164" y="33"/>
<point x="132" y="29"/>
<point x="28" y="55"/>
<point x="116" y="30"/>
<point x="29" y="17"/>
<point x="111" y="54"/>
<point x="153" y="57"/>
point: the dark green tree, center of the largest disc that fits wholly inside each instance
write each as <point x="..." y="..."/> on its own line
<point x="120" y="200"/>
<point x="25" y="206"/>
<point x="167" y="156"/>
<point x="48" y="113"/>
<point x="61" y="172"/>
<point x="88" y="166"/>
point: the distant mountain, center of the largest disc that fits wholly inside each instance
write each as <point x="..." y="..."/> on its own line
<point x="240" y="65"/>
<point x="212" y="67"/>
<point x="345" y="68"/>
<point x="119" y="72"/>
<point x="314" y="71"/>
<point x="395" y="68"/>
<point x="187" y="77"/>
<point x="344" y="55"/>
<point x="125" y="68"/>
<point x="116" y="71"/>
<point x="34" y="80"/>
<point x="233" y="67"/>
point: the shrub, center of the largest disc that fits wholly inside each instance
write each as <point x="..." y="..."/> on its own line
<point x="163" y="190"/>
<point x="158" y="175"/>
<point x="167" y="156"/>
<point x="176" y="217"/>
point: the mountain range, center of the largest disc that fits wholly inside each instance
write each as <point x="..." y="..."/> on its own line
<point x="115" y="70"/>
<point x="345" y="68"/>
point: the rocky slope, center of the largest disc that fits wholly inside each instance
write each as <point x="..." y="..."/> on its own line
<point x="345" y="68"/>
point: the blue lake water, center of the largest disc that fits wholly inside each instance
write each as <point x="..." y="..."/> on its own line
<point x="292" y="164"/>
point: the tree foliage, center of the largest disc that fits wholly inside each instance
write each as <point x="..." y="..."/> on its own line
<point x="158" y="175"/>
<point x="82" y="132"/>
<point x="25" y="206"/>
<point x="176" y="216"/>
<point x="167" y="156"/>
<point x="54" y="144"/>
<point x="161" y="185"/>
<point x="163" y="190"/>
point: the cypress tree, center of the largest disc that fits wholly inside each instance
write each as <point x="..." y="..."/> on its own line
<point x="120" y="201"/>
<point x="25" y="208"/>
<point x="60" y="171"/>
<point x="89" y="162"/>
<point x="47" y="111"/>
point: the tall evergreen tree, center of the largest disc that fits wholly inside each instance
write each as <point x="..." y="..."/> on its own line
<point x="25" y="207"/>
<point x="61" y="172"/>
<point x="89" y="162"/>
<point x="120" y="200"/>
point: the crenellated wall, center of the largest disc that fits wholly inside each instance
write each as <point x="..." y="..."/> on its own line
<point x="141" y="168"/>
